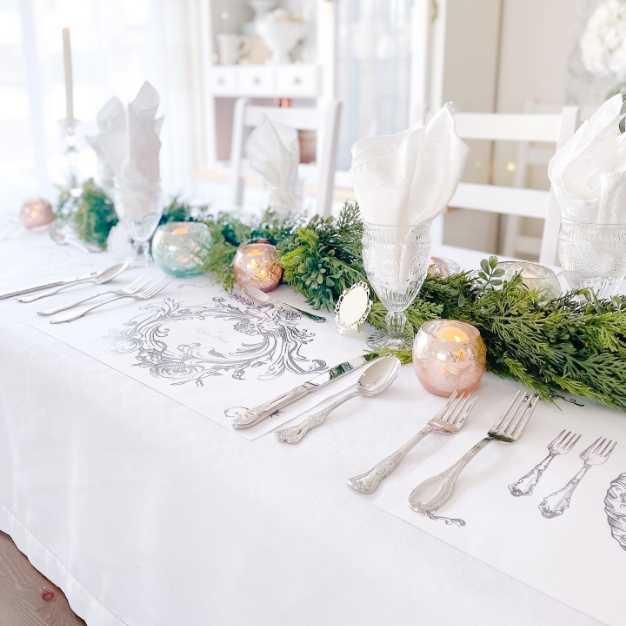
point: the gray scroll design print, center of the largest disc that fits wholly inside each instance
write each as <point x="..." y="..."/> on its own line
<point x="271" y="342"/>
<point x="615" y="509"/>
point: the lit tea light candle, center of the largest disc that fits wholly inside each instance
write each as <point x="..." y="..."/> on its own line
<point x="256" y="264"/>
<point x="448" y="356"/>
<point x="452" y="333"/>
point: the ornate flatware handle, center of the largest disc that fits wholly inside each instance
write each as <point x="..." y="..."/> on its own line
<point x="311" y="316"/>
<point x="246" y="418"/>
<point x="84" y="312"/>
<point x="434" y="492"/>
<point x="295" y="434"/>
<point x="368" y="482"/>
<point x="54" y="292"/>
<point x="527" y="483"/>
<point x="67" y="307"/>
<point x="558" y="502"/>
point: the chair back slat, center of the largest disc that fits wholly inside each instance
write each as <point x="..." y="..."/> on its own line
<point x="324" y="119"/>
<point x="536" y="127"/>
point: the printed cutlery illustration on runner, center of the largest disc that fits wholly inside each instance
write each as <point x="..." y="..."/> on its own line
<point x="596" y="454"/>
<point x="561" y="444"/>
<point x="615" y="509"/>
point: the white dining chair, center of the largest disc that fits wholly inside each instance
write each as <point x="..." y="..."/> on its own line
<point x="520" y="202"/>
<point x="324" y="119"/>
<point x="529" y="155"/>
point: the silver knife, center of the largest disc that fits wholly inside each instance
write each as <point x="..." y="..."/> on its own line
<point x="246" y="418"/>
<point x="57" y="283"/>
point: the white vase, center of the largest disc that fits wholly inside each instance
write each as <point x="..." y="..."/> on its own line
<point x="281" y="33"/>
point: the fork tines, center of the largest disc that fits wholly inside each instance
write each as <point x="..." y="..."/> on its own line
<point x="564" y="441"/>
<point x="601" y="447"/>
<point x="457" y="408"/>
<point x="512" y="423"/>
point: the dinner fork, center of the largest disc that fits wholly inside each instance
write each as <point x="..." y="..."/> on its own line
<point x="596" y="454"/>
<point x="149" y="291"/>
<point x="448" y="421"/>
<point x="139" y="283"/>
<point x="561" y="444"/>
<point x="434" y="492"/>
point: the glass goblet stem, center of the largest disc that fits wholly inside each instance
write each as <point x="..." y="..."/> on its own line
<point x="396" y="324"/>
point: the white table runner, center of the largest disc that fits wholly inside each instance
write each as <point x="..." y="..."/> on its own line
<point x="147" y="514"/>
<point x="206" y="349"/>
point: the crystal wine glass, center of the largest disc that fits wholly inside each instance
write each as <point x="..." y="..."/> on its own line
<point x="139" y="209"/>
<point x="593" y="256"/>
<point x="396" y="260"/>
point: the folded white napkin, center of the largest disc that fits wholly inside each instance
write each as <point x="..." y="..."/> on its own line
<point x="142" y="164"/>
<point x="588" y="173"/>
<point x="273" y="152"/>
<point x="409" y="177"/>
<point x="128" y="143"/>
<point x="110" y="142"/>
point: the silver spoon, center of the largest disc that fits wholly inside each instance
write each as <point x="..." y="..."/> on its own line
<point x="263" y="298"/>
<point x="374" y="380"/>
<point x="101" y="278"/>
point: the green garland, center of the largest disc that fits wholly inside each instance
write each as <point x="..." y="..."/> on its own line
<point x="569" y="345"/>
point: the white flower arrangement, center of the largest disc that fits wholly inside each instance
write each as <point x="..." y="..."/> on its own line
<point x="603" y="44"/>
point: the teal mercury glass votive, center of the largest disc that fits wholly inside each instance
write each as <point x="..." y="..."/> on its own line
<point x="178" y="247"/>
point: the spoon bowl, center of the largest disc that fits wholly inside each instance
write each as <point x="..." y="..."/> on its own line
<point x="379" y="376"/>
<point x="101" y="278"/>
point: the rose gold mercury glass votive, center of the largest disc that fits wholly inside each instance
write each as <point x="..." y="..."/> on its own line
<point x="449" y="355"/>
<point x="36" y="212"/>
<point x="256" y="264"/>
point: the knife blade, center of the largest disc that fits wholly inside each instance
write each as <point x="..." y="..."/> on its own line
<point x="246" y="418"/>
<point x="34" y="288"/>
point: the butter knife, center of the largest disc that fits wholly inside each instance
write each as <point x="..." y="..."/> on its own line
<point x="56" y="283"/>
<point x="243" y="417"/>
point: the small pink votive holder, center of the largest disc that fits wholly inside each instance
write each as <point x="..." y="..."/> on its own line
<point x="36" y="212"/>
<point x="448" y="356"/>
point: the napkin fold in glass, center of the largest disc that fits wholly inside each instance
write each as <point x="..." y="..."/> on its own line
<point x="588" y="173"/>
<point x="409" y="177"/>
<point x="273" y="152"/>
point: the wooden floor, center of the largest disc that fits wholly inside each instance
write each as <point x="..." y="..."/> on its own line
<point x="26" y="597"/>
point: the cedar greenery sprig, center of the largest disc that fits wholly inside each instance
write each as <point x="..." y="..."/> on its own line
<point x="575" y="344"/>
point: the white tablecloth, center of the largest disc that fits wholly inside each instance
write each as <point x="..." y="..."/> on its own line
<point x="147" y="514"/>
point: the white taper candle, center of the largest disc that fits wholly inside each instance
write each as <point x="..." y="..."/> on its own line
<point x="69" y="79"/>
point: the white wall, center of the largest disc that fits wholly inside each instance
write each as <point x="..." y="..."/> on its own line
<point x="470" y="81"/>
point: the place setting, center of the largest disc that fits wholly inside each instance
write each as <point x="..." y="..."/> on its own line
<point x="322" y="358"/>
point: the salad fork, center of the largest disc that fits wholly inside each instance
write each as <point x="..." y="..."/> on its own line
<point x="151" y="290"/>
<point x="448" y="421"/>
<point x="596" y="454"/>
<point x="561" y="444"/>
<point x="139" y="283"/>
<point x="434" y="492"/>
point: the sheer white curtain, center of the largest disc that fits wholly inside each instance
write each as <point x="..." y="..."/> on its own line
<point x="116" y="45"/>
<point x="373" y="69"/>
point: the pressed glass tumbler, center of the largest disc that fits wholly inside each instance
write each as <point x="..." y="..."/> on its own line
<point x="140" y="210"/>
<point x="396" y="260"/>
<point x="593" y="256"/>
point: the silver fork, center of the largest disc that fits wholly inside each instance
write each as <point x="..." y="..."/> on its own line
<point x="139" y="283"/>
<point x="596" y="454"/>
<point x="149" y="291"/>
<point x="448" y="421"/>
<point x="434" y="492"/>
<point x="561" y="444"/>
